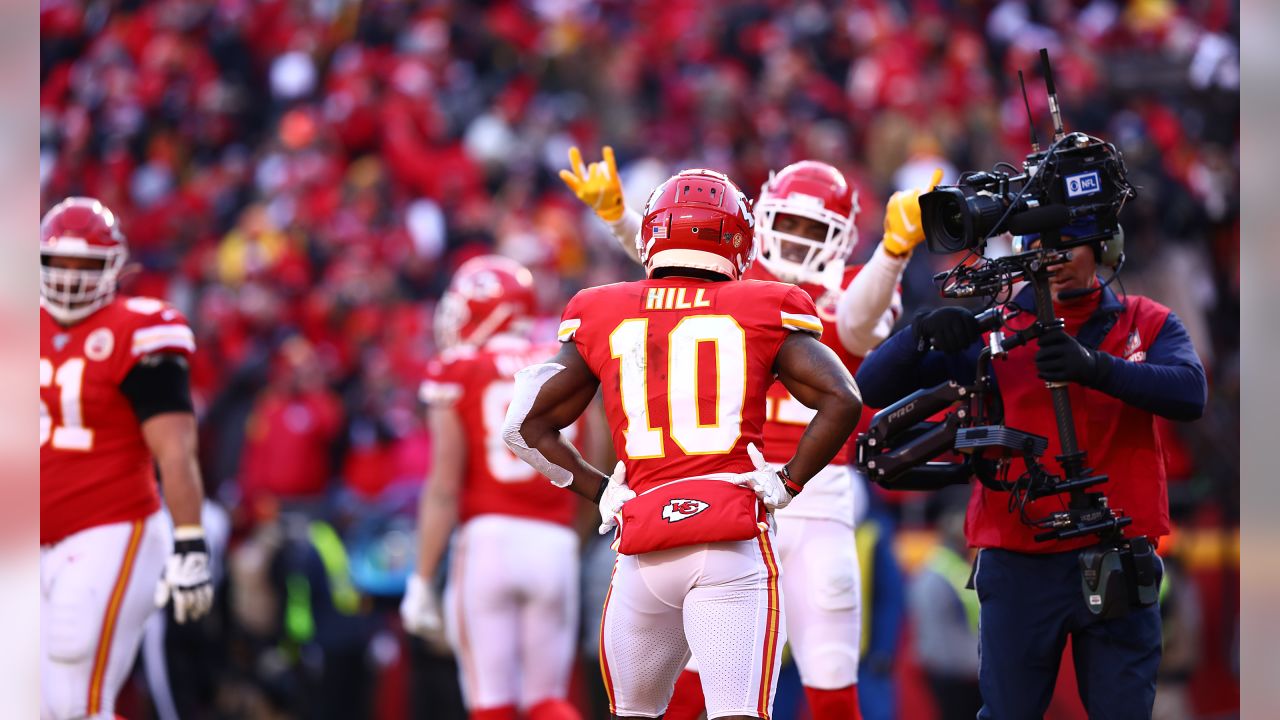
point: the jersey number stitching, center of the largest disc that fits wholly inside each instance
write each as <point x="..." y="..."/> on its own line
<point x="628" y="344"/>
<point x="71" y="434"/>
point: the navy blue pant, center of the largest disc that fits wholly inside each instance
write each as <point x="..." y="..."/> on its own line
<point x="1030" y="604"/>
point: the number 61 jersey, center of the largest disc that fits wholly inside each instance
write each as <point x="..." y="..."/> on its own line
<point x="685" y="366"/>
<point x="95" y="467"/>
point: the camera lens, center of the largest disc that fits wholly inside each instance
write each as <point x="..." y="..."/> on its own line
<point x="985" y="212"/>
<point x="953" y="219"/>
<point x="945" y="216"/>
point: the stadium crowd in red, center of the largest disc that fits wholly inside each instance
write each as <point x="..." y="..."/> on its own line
<point x="300" y="176"/>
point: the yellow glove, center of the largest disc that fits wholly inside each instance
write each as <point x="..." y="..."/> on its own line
<point x="902" y="229"/>
<point x="597" y="185"/>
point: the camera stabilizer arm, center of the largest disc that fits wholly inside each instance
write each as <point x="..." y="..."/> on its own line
<point x="899" y="448"/>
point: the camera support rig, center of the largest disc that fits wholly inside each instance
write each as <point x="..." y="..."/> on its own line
<point x="1087" y="512"/>
<point x="1077" y="178"/>
<point x="897" y="449"/>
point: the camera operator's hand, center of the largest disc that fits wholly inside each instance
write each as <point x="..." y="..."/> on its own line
<point x="1061" y="358"/>
<point x="902" y="228"/>
<point x="597" y="185"/>
<point x="949" y="329"/>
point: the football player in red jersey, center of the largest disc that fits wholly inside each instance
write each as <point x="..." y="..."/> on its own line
<point x="511" y="599"/>
<point x="805" y="221"/>
<point x="114" y="399"/>
<point x="685" y="360"/>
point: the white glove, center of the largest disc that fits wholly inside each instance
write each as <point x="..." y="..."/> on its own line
<point x="765" y="481"/>
<point x="616" y="494"/>
<point x="186" y="577"/>
<point x="419" y="610"/>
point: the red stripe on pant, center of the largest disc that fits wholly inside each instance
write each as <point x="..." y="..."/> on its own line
<point x="103" y="654"/>
<point x="604" y="661"/>
<point x="774" y="620"/>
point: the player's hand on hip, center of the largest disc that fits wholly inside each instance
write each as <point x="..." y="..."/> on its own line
<point x="902" y="227"/>
<point x="616" y="494"/>
<point x="420" y="610"/>
<point x="597" y="185"/>
<point x="186" y="580"/>
<point x="765" y="481"/>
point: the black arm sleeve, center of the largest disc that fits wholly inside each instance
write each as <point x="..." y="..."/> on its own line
<point x="158" y="383"/>
<point x="1170" y="383"/>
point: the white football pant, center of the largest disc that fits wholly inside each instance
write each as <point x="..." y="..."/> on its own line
<point x="821" y="582"/>
<point x="720" y="601"/>
<point x="97" y="588"/>
<point x="511" y="610"/>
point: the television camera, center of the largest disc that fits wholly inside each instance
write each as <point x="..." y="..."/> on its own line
<point x="1077" y="183"/>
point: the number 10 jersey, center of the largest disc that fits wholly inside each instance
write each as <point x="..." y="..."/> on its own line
<point x="685" y="366"/>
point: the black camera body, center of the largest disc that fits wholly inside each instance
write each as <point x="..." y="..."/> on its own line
<point x="1078" y="178"/>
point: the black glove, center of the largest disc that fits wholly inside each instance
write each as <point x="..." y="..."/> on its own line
<point x="949" y="329"/>
<point x="1061" y="358"/>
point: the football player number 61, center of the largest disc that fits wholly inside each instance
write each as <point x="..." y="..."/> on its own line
<point x="693" y="434"/>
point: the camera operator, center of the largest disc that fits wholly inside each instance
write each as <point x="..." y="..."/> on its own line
<point x="1125" y="360"/>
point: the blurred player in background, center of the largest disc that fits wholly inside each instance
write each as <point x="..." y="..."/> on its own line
<point x="114" y="398"/>
<point x="805" y="222"/>
<point x="686" y="359"/>
<point x="512" y="592"/>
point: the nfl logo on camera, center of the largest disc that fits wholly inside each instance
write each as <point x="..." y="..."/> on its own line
<point x="1083" y="184"/>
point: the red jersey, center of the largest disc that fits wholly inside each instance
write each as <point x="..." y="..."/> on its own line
<point x="684" y="366"/>
<point x="479" y="383"/>
<point x="787" y="418"/>
<point x="95" y="467"/>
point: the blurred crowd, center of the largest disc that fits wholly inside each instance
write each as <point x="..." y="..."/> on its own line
<point x="301" y="176"/>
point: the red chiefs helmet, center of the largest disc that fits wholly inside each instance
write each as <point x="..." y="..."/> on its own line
<point x="697" y="219"/>
<point x="84" y="229"/>
<point x="488" y="295"/>
<point x="815" y="191"/>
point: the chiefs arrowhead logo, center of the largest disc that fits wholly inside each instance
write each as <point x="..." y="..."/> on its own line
<point x="678" y="510"/>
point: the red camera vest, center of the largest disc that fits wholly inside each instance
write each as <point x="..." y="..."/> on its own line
<point x="1121" y="441"/>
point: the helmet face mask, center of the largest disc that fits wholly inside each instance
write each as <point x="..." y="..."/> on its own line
<point x="794" y="205"/>
<point x="82" y="253"/>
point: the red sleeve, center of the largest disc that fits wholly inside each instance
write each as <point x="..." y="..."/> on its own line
<point x="151" y="326"/>
<point x="798" y="313"/>
<point x="571" y="318"/>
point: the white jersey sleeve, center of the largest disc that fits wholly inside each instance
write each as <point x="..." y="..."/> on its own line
<point x="624" y="231"/>
<point x="869" y="307"/>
